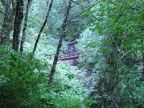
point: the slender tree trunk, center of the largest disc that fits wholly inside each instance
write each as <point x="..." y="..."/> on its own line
<point x="38" y="37"/>
<point x="59" y="44"/>
<point x="25" y="25"/>
<point x="6" y="27"/>
<point x="17" y="24"/>
<point x="142" y="65"/>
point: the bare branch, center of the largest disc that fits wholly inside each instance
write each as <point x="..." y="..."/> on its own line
<point x="83" y="11"/>
<point x="125" y="54"/>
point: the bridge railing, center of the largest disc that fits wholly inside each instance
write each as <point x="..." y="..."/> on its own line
<point x="69" y="56"/>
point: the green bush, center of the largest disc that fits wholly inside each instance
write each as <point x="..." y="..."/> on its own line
<point x="120" y="81"/>
<point x="23" y="83"/>
<point x="19" y="80"/>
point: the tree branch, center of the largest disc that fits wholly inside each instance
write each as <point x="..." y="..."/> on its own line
<point x="83" y="11"/>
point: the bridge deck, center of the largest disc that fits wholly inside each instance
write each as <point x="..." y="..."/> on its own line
<point x="69" y="56"/>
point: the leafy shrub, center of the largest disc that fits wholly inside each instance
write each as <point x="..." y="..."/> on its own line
<point x="23" y="83"/>
<point x="120" y="80"/>
<point x="67" y="91"/>
<point x="19" y="80"/>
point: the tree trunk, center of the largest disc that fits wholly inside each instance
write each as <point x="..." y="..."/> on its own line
<point x="142" y="72"/>
<point x="38" y="37"/>
<point x="25" y="25"/>
<point x="17" y="24"/>
<point x="59" y="44"/>
<point x="7" y="25"/>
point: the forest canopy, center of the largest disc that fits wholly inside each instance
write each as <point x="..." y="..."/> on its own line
<point x="71" y="53"/>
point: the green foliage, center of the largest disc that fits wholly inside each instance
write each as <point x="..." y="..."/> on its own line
<point x="19" y="77"/>
<point x="111" y="42"/>
<point x="117" y="57"/>
<point x="46" y="46"/>
<point x="89" y="44"/>
<point x="67" y="91"/>
<point x="23" y="83"/>
<point x="120" y="82"/>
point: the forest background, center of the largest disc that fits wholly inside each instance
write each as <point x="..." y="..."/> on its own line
<point x="109" y="35"/>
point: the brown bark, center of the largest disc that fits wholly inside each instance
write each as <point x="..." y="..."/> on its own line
<point x="17" y="24"/>
<point x="38" y="37"/>
<point x="59" y="44"/>
<point x="25" y="25"/>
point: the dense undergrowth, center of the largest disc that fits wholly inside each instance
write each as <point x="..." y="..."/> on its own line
<point x="23" y="83"/>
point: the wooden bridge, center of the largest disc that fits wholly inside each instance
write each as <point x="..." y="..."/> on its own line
<point x="71" y="52"/>
<point x="75" y="55"/>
